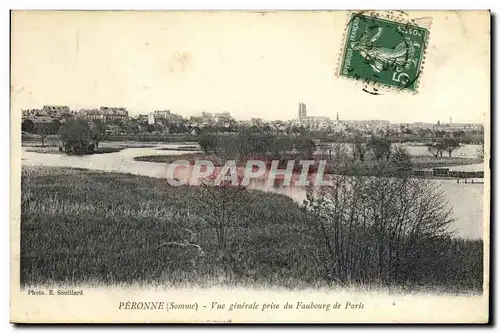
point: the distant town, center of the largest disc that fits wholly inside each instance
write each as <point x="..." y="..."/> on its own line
<point x="118" y="122"/>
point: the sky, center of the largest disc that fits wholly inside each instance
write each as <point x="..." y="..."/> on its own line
<point x="249" y="64"/>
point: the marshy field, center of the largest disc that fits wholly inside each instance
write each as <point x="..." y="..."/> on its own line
<point x="92" y="227"/>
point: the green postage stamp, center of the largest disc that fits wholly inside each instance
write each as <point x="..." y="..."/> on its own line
<point x="383" y="52"/>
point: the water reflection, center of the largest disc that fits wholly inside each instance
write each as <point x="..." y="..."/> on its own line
<point x="466" y="201"/>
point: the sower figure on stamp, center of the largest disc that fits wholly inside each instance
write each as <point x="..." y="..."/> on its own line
<point x="380" y="57"/>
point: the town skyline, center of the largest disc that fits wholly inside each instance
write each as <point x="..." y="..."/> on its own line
<point x="189" y="62"/>
<point x="336" y="115"/>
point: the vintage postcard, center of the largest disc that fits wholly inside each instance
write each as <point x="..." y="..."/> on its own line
<point x="250" y="167"/>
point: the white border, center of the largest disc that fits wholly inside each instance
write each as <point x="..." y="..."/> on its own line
<point x="254" y="4"/>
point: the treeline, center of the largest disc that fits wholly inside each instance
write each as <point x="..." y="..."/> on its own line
<point x="146" y="137"/>
<point x="246" y="144"/>
<point x="438" y="147"/>
<point x="365" y="156"/>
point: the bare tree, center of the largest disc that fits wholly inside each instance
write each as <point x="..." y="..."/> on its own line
<point x="221" y="203"/>
<point x="480" y="150"/>
<point x="340" y="159"/>
<point x="371" y="226"/>
<point x="436" y="149"/>
<point x="44" y="131"/>
<point x="400" y="160"/>
<point x="381" y="147"/>
<point x="359" y="147"/>
<point x="98" y="131"/>
<point x="451" y="145"/>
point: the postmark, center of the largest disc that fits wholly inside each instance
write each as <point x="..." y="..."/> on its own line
<point x="383" y="51"/>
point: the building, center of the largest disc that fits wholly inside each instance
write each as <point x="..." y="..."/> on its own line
<point x="458" y="126"/>
<point x="205" y="119"/>
<point x="90" y="114"/>
<point x="31" y="113"/>
<point x="104" y="114"/>
<point x="314" y="122"/>
<point x="211" y="119"/>
<point x="165" y="116"/>
<point x="244" y="123"/>
<point x="52" y="111"/>
<point x="143" y="118"/>
<point x="113" y="113"/>
<point x="56" y="111"/>
<point x="223" y="118"/>
<point x="369" y="124"/>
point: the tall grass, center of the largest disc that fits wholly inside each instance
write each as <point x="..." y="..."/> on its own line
<point x="80" y="226"/>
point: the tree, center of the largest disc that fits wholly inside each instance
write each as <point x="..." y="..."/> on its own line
<point x="436" y="149"/>
<point x="292" y="129"/>
<point x="98" y="131"/>
<point x="370" y="228"/>
<point x="75" y="130"/>
<point x="221" y="203"/>
<point x="360" y="147"/>
<point x="267" y="129"/>
<point x="458" y="133"/>
<point x="401" y="160"/>
<point x="27" y="125"/>
<point x="305" y="145"/>
<point x="196" y="131"/>
<point x="480" y="150"/>
<point x="76" y="136"/>
<point x="132" y="126"/>
<point x="339" y="161"/>
<point x="450" y="145"/>
<point x="424" y="132"/>
<point x="439" y="134"/>
<point x="254" y="129"/>
<point x="380" y="146"/>
<point x="43" y="131"/>
<point x="207" y="142"/>
<point x="209" y="129"/>
<point x="302" y="130"/>
<point x="55" y="126"/>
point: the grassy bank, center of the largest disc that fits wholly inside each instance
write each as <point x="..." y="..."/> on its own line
<point x="55" y="150"/>
<point x="423" y="162"/>
<point x="51" y="146"/>
<point x="182" y="148"/>
<point x="192" y="157"/>
<point x="80" y="226"/>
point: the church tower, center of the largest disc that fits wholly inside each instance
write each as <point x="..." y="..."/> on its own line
<point x="302" y="110"/>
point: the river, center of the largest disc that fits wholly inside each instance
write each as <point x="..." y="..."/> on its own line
<point x="466" y="200"/>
